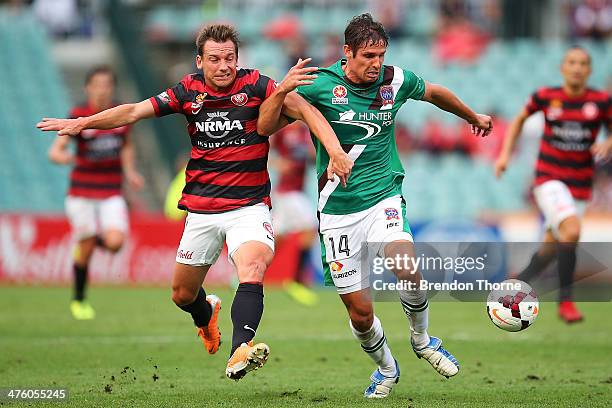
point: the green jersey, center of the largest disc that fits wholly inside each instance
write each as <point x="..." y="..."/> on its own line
<point x="363" y="117"/>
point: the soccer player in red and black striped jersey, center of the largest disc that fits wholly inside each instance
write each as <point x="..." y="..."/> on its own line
<point x="574" y="114"/>
<point x="95" y="207"/>
<point x="227" y="191"/>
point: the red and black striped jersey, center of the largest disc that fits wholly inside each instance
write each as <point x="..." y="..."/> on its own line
<point x="97" y="172"/>
<point x="228" y="168"/>
<point x="571" y="127"/>
<point x="293" y="144"/>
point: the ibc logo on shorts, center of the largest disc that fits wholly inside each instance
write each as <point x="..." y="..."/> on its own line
<point x="392" y="214"/>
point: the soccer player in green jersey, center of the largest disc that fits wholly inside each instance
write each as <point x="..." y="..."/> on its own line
<point x="360" y="97"/>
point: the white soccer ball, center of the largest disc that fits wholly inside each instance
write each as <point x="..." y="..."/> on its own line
<point x="513" y="307"/>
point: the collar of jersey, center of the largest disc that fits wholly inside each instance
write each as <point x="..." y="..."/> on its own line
<point x="337" y="69"/>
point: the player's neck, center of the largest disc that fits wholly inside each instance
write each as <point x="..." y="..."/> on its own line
<point x="574" y="91"/>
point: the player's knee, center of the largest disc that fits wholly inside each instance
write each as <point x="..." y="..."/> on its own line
<point x="182" y="296"/>
<point x="570" y="233"/>
<point x="253" y="270"/>
<point x="113" y="242"/>
<point x="113" y="246"/>
<point x="362" y="317"/>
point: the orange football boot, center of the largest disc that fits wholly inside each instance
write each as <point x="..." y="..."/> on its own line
<point x="210" y="335"/>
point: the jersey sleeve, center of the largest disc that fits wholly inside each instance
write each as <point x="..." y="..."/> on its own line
<point x="413" y="86"/>
<point x="264" y="87"/>
<point x="535" y="103"/>
<point x="171" y="100"/>
<point x="309" y="92"/>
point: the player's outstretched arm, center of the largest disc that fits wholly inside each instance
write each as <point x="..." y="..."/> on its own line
<point x="340" y="163"/>
<point x="444" y="99"/>
<point x="270" y="119"/>
<point x="118" y="116"/>
<point x="510" y="138"/>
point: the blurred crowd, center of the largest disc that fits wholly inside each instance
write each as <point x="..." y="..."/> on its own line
<point x="461" y="29"/>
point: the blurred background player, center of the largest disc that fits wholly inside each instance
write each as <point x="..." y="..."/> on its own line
<point x="574" y="114"/>
<point x="96" y="210"/>
<point x="293" y="214"/>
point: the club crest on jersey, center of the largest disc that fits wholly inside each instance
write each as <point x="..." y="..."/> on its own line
<point x="199" y="102"/>
<point x="590" y="110"/>
<point x="239" y="99"/>
<point x="392" y="214"/>
<point x="339" y="95"/>
<point x="387" y="95"/>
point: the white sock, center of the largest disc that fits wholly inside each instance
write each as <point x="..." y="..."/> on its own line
<point x="374" y="343"/>
<point x="416" y="307"/>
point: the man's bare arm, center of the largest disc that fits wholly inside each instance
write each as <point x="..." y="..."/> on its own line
<point x="128" y="164"/>
<point x="446" y="100"/>
<point x="59" y="153"/>
<point x="340" y="163"/>
<point x="510" y="139"/>
<point x="270" y="119"/>
<point x="118" y="116"/>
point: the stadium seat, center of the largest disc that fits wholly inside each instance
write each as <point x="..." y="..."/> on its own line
<point x="29" y="181"/>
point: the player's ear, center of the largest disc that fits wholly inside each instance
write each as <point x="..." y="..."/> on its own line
<point x="347" y="51"/>
<point x="199" y="61"/>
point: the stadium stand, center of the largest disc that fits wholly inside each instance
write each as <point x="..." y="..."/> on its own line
<point x="32" y="88"/>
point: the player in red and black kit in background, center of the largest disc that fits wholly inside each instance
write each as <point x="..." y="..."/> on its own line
<point x="227" y="191"/>
<point x="574" y="115"/>
<point x="293" y="212"/>
<point x="95" y="207"/>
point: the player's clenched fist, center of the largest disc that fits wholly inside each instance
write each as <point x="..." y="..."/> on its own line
<point x="298" y="75"/>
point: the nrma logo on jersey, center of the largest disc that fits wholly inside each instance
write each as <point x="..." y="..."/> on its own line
<point x="218" y="125"/>
<point x="366" y="121"/>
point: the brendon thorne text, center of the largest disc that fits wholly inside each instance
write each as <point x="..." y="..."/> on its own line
<point x="478" y="284"/>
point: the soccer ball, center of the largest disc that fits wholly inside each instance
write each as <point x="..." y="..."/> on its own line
<point x="513" y="309"/>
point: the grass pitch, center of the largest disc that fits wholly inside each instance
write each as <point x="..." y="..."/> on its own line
<point x="141" y="351"/>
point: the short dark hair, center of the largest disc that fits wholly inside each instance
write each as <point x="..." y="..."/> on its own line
<point x="100" y="69"/>
<point x="362" y="31"/>
<point x="218" y="33"/>
<point x="580" y="48"/>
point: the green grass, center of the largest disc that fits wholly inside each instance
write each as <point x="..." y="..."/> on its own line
<point x="139" y="334"/>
